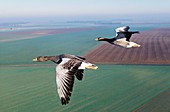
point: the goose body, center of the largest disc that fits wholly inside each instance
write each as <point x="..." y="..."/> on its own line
<point x="67" y="68"/>
<point x="122" y="38"/>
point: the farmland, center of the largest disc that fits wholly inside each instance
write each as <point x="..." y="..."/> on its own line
<point x="34" y="33"/>
<point x="30" y="87"/>
<point x="155" y="49"/>
<point x="22" y="51"/>
<point x="160" y="103"/>
<point x="113" y="88"/>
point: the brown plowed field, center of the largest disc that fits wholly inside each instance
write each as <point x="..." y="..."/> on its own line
<point x="155" y="49"/>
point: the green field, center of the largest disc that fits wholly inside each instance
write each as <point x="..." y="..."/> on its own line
<point x="25" y="87"/>
<point x="22" y="51"/>
<point x="112" y="88"/>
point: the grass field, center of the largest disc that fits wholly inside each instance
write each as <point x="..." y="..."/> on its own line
<point x="22" y="51"/>
<point x="160" y="103"/>
<point x="78" y="43"/>
<point x="26" y="87"/>
<point x="112" y="88"/>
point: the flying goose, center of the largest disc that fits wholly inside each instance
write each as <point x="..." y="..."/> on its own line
<point x="68" y="67"/>
<point x="122" y="38"/>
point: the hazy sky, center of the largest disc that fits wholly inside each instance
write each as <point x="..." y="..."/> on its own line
<point x="35" y="8"/>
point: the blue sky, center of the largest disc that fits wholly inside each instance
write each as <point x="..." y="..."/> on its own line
<point x="42" y="8"/>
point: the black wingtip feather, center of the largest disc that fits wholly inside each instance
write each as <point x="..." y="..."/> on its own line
<point x="79" y="74"/>
<point x="65" y="101"/>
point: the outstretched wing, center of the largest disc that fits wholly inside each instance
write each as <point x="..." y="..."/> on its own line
<point x="122" y="32"/>
<point x="65" y="79"/>
<point x="122" y="29"/>
<point x="126" y="35"/>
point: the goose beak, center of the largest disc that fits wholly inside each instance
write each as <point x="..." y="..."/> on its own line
<point x="35" y="60"/>
<point x="97" y="39"/>
<point x="93" y="67"/>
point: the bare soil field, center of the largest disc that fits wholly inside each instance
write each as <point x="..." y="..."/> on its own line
<point x="155" y="49"/>
<point x="160" y="103"/>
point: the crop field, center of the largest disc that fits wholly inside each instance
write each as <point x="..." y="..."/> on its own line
<point x="22" y="51"/>
<point x="155" y="49"/>
<point x="115" y="88"/>
<point x="26" y="86"/>
<point x="160" y="103"/>
<point x="33" y="33"/>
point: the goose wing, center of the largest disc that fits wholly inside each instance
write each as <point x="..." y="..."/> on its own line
<point x="126" y="35"/>
<point x="122" y="35"/>
<point x="122" y="29"/>
<point x="123" y="32"/>
<point x="120" y="32"/>
<point x="65" y="79"/>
